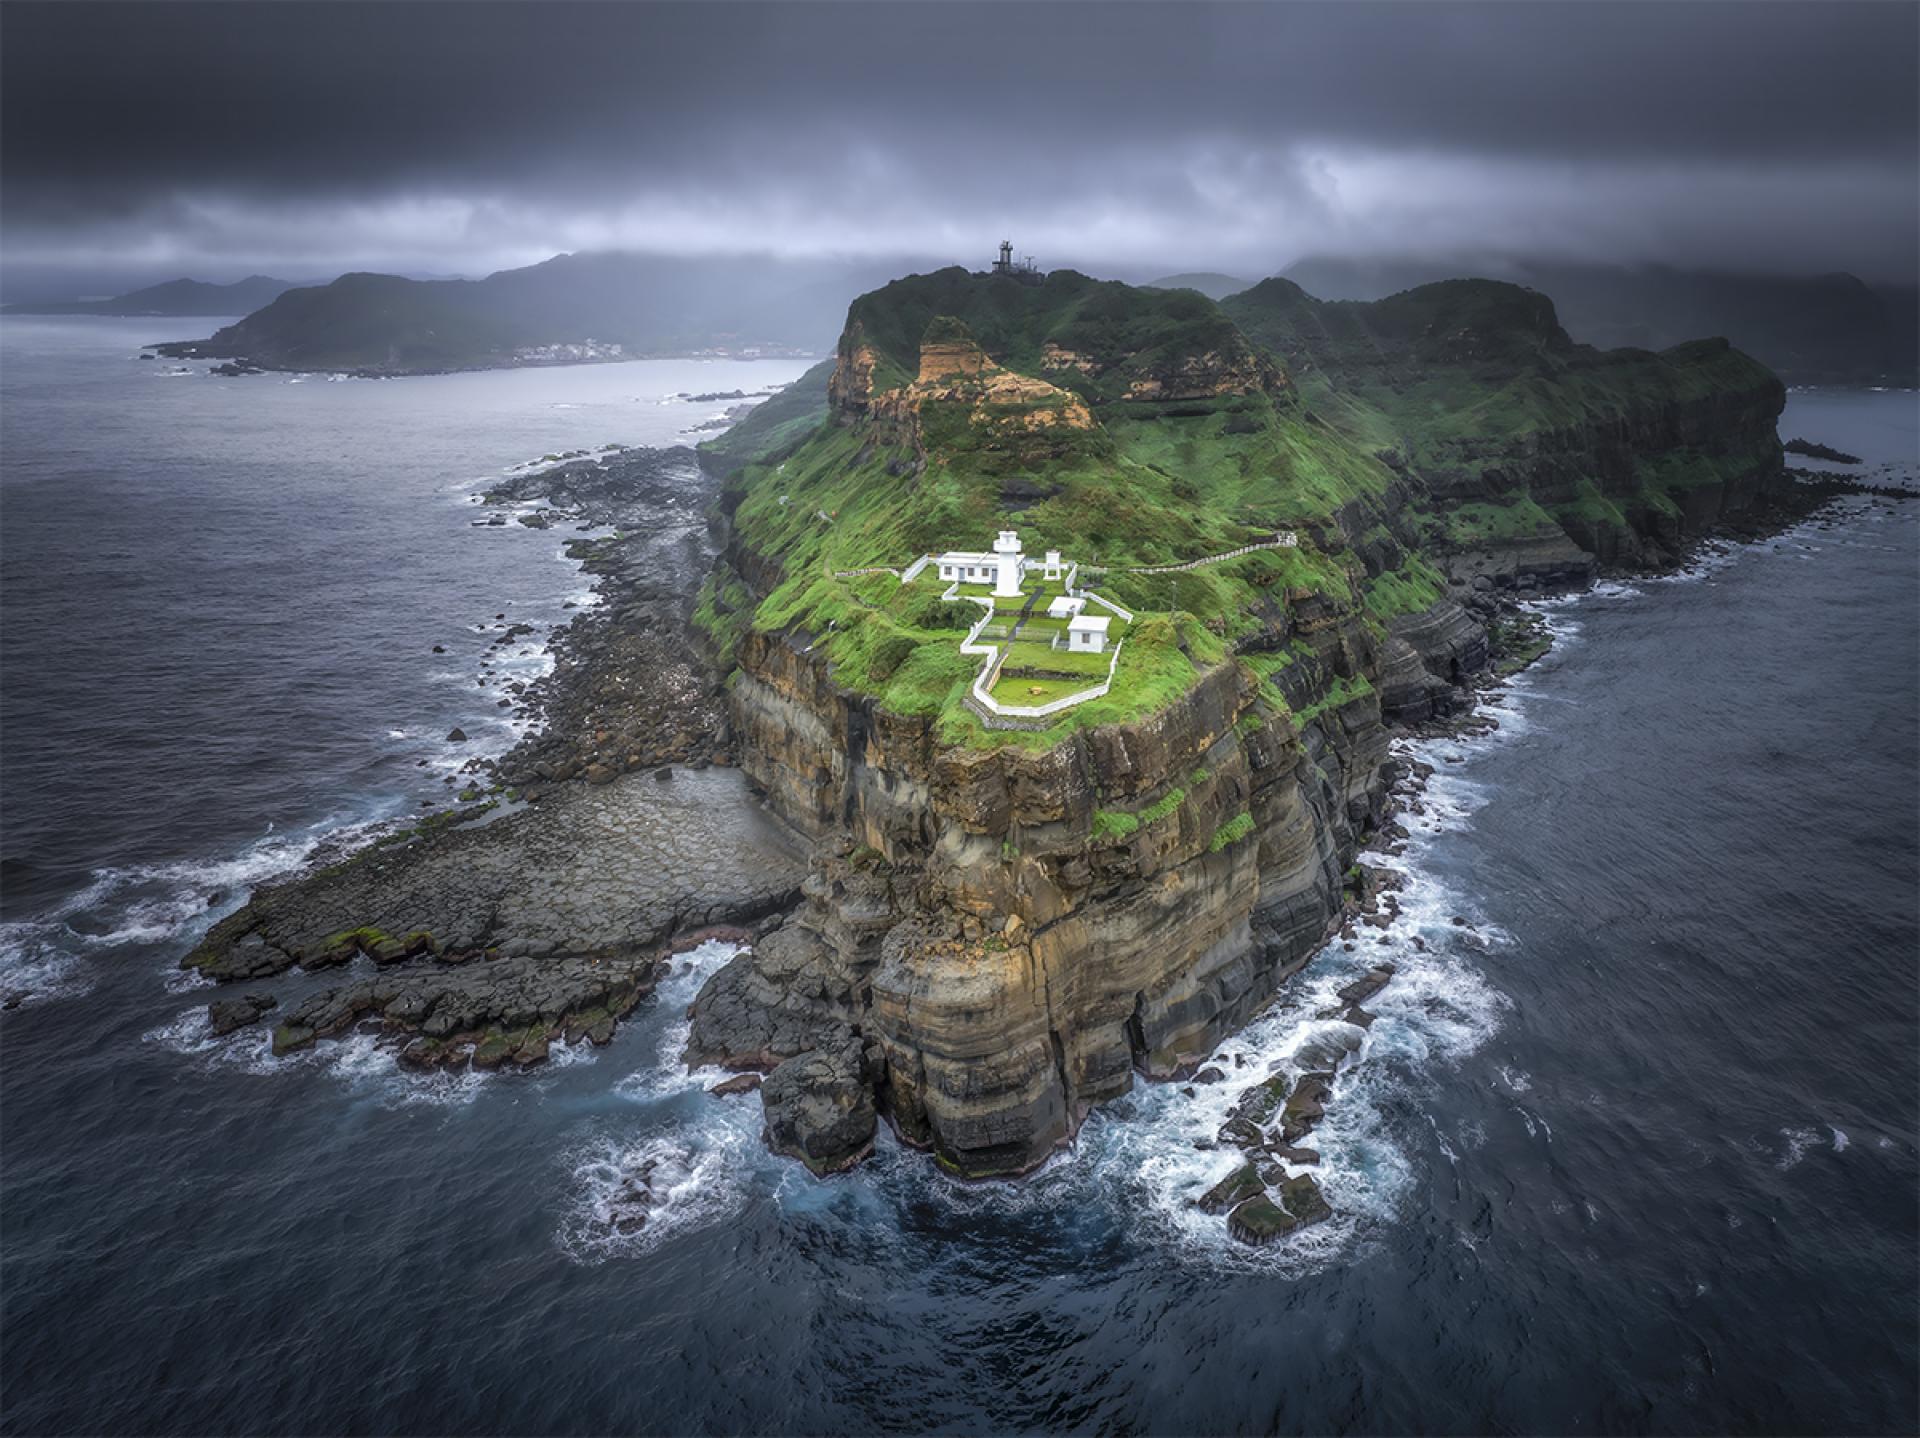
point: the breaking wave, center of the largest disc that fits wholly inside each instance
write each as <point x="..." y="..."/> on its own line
<point x="47" y="957"/>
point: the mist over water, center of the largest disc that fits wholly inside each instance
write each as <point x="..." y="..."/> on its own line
<point x="1633" y="1147"/>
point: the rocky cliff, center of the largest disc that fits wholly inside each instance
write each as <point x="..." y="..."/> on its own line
<point x="1003" y="927"/>
<point x="1017" y="931"/>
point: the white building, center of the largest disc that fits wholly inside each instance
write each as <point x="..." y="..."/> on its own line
<point x="968" y="566"/>
<point x="1007" y="549"/>
<point x="1065" y="606"/>
<point x="1087" y="633"/>
<point x="1053" y="564"/>
<point x="1002" y="568"/>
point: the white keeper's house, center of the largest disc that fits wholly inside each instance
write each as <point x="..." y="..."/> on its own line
<point x="1002" y="568"/>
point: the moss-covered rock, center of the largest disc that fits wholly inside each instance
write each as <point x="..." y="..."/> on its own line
<point x="1260" y="1221"/>
<point x="1243" y="1183"/>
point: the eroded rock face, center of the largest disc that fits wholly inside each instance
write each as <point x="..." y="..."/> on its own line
<point x="820" y="1108"/>
<point x="954" y="370"/>
<point x="1010" y="968"/>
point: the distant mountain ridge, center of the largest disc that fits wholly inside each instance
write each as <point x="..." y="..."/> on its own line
<point x="1825" y="329"/>
<point x="185" y="298"/>
<point x="567" y="309"/>
<point x="1810" y="329"/>
<point x="1213" y="285"/>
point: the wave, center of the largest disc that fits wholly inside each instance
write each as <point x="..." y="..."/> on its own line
<point x="632" y="1186"/>
<point x="665" y="1075"/>
<point x="628" y="1195"/>
<point x="46" y="957"/>
<point x="361" y="1062"/>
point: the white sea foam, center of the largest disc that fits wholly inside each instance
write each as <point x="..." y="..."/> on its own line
<point x="666" y="1074"/>
<point x="691" y="1173"/>
<point x="48" y="957"/>
<point x="362" y="1063"/>
<point x="1799" y="1141"/>
<point x="33" y="971"/>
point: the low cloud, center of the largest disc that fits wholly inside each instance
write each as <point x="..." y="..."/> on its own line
<point x="307" y="140"/>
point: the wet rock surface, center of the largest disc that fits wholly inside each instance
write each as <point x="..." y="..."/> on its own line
<point x="819" y="1107"/>
<point x="493" y="938"/>
<point x="630" y="688"/>
<point x="226" y="1015"/>
<point x="1262" y="1200"/>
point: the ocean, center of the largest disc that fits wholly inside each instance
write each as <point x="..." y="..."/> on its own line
<point x="1632" y="1146"/>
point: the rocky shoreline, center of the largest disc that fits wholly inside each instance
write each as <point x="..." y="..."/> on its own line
<point x="541" y="908"/>
<point x="1269" y="1195"/>
<point x="619" y="831"/>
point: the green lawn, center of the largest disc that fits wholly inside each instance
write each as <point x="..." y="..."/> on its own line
<point x="1023" y="654"/>
<point x="1031" y="692"/>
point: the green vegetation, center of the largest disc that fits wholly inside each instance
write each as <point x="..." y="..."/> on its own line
<point x="1464" y="379"/>
<point x="1122" y="333"/>
<point x="364" y="937"/>
<point x="1115" y="824"/>
<point x="1231" y="832"/>
<point x="1514" y="516"/>
<point x="1415" y="587"/>
<point x="1143" y="428"/>
<point x="775" y="426"/>
<point x="1342" y="693"/>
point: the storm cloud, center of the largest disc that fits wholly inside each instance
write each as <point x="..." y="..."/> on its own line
<point x="447" y="138"/>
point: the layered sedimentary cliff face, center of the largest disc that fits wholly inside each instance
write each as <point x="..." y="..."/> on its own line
<point x="1004" y="929"/>
<point x="1017" y="932"/>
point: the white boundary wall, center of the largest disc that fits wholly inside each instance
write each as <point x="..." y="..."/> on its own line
<point x="991" y="670"/>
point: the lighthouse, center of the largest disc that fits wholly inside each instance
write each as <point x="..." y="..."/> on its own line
<point x="1006" y="551"/>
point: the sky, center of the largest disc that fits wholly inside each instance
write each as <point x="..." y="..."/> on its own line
<point x="144" y="141"/>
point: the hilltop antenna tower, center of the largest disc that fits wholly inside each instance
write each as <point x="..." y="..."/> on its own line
<point x="1022" y="269"/>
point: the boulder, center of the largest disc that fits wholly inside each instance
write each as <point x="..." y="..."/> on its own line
<point x="738" y="1084"/>
<point x="1369" y="984"/>
<point x="1259" y="1221"/>
<point x="819" y="1108"/>
<point x="1304" y="1200"/>
<point x="226" y="1015"/>
<point x="1237" y="1187"/>
<point x="1241" y="1133"/>
<point x="1306" y="1106"/>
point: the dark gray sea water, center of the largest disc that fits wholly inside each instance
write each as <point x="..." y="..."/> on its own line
<point x="1632" y="1150"/>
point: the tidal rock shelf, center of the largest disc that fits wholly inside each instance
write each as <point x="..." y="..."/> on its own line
<point x="484" y="942"/>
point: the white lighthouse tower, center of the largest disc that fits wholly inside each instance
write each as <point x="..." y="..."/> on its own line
<point x="1007" y="553"/>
